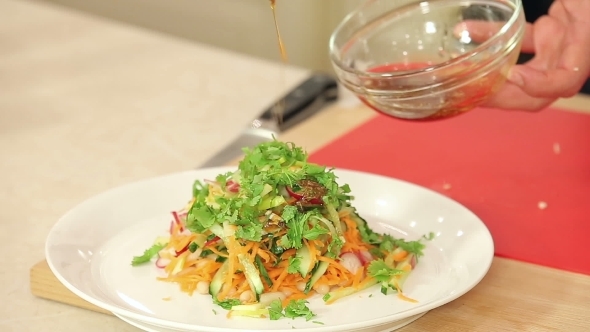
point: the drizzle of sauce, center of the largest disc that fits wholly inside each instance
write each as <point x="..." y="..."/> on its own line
<point x="282" y="50"/>
<point x="279" y="109"/>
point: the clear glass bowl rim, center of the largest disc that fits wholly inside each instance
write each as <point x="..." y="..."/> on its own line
<point x="410" y="72"/>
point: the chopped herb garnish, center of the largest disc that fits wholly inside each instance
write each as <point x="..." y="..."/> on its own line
<point x="294" y="265"/>
<point x="298" y="308"/>
<point x="227" y="304"/>
<point x="379" y="270"/>
<point x="275" y="310"/>
<point x="148" y="254"/>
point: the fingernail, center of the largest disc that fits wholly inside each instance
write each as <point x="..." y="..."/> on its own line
<point x="515" y="77"/>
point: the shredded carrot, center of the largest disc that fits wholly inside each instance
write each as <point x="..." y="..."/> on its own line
<point x="405" y="298"/>
<point x="400" y="255"/>
<point x="312" y="252"/>
<point x="266" y="257"/>
<point x="245" y="249"/>
<point x="217" y="252"/>
<point x="334" y="263"/>
<point x="254" y="250"/>
<point x="180" y="242"/>
<point x="243" y="287"/>
<point x="279" y="280"/>
<point x="234" y="283"/>
<point x="275" y="273"/>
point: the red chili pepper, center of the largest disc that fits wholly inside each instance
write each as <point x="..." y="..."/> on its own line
<point x="178" y="253"/>
<point x="212" y="241"/>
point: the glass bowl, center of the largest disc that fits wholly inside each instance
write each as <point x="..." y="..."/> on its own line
<point x="425" y="60"/>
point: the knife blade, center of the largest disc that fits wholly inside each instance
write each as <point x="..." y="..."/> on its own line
<point x="301" y="103"/>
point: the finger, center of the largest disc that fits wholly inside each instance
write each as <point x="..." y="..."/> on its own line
<point x="576" y="53"/>
<point x="569" y="11"/>
<point x="574" y="15"/>
<point x="557" y="69"/>
<point x="512" y="97"/>
<point x="528" y="40"/>
<point x="553" y="83"/>
<point x="548" y="38"/>
<point x="480" y="31"/>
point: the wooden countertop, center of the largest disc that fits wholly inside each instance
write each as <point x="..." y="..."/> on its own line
<point x="87" y="104"/>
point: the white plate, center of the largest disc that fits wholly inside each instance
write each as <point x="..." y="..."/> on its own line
<point x="381" y="328"/>
<point x="90" y="250"/>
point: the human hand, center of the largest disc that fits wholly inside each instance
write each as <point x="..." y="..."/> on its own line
<point x="560" y="42"/>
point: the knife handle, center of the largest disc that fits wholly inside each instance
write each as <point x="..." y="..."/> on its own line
<point x="313" y="94"/>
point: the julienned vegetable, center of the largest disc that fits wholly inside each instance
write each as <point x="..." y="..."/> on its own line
<point x="265" y="238"/>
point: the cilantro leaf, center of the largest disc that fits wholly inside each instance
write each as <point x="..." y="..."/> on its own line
<point x="296" y="224"/>
<point x="429" y="237"/>
<point x="275" y="310"/>
<point x="289" y="213"/>
<point x="387" y="243"/>
<point x="381" y="271"/>
<point x="334" y="247"/>
<point x="414" y="247"/>
<point x="294" y="265"/>
<point x="222" y="179"/>
<point x="285" y="242"/>
<point x="367" y="234"/>
<point x="148" y="254"/>
<point x="227" y="304"/>
<point x="200" y="217"/>
<point x="200" y="190"/>
<point x="252" y="232"/>
<point x="315" y="232"/>
<point x="298" y="308"/>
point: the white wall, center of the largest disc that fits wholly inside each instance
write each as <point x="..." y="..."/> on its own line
<point x="240" y="25"/>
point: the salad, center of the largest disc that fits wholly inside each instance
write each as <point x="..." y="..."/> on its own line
<point x="278" y="230"/>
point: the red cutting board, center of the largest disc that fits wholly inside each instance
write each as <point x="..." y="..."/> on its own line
<point x="504" y="166"/>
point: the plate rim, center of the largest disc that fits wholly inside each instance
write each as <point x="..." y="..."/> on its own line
<point x="485" y="266"/>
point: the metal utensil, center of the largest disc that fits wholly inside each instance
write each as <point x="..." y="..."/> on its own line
<point x="305" y="100"/>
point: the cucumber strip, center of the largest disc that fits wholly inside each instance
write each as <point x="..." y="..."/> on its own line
<point x="217" y="281"/>
<point x="256" y="313"/>
<point x="334" y="218"/>
<point x="333" y="296"/>
<point x="252" y="276"/>
<point x="318" y="272"/>
<point x="328" y="224"/>
<point x="305" y="260"/>
<point x="217" y="230"/>
<point x="263" y="271"/>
